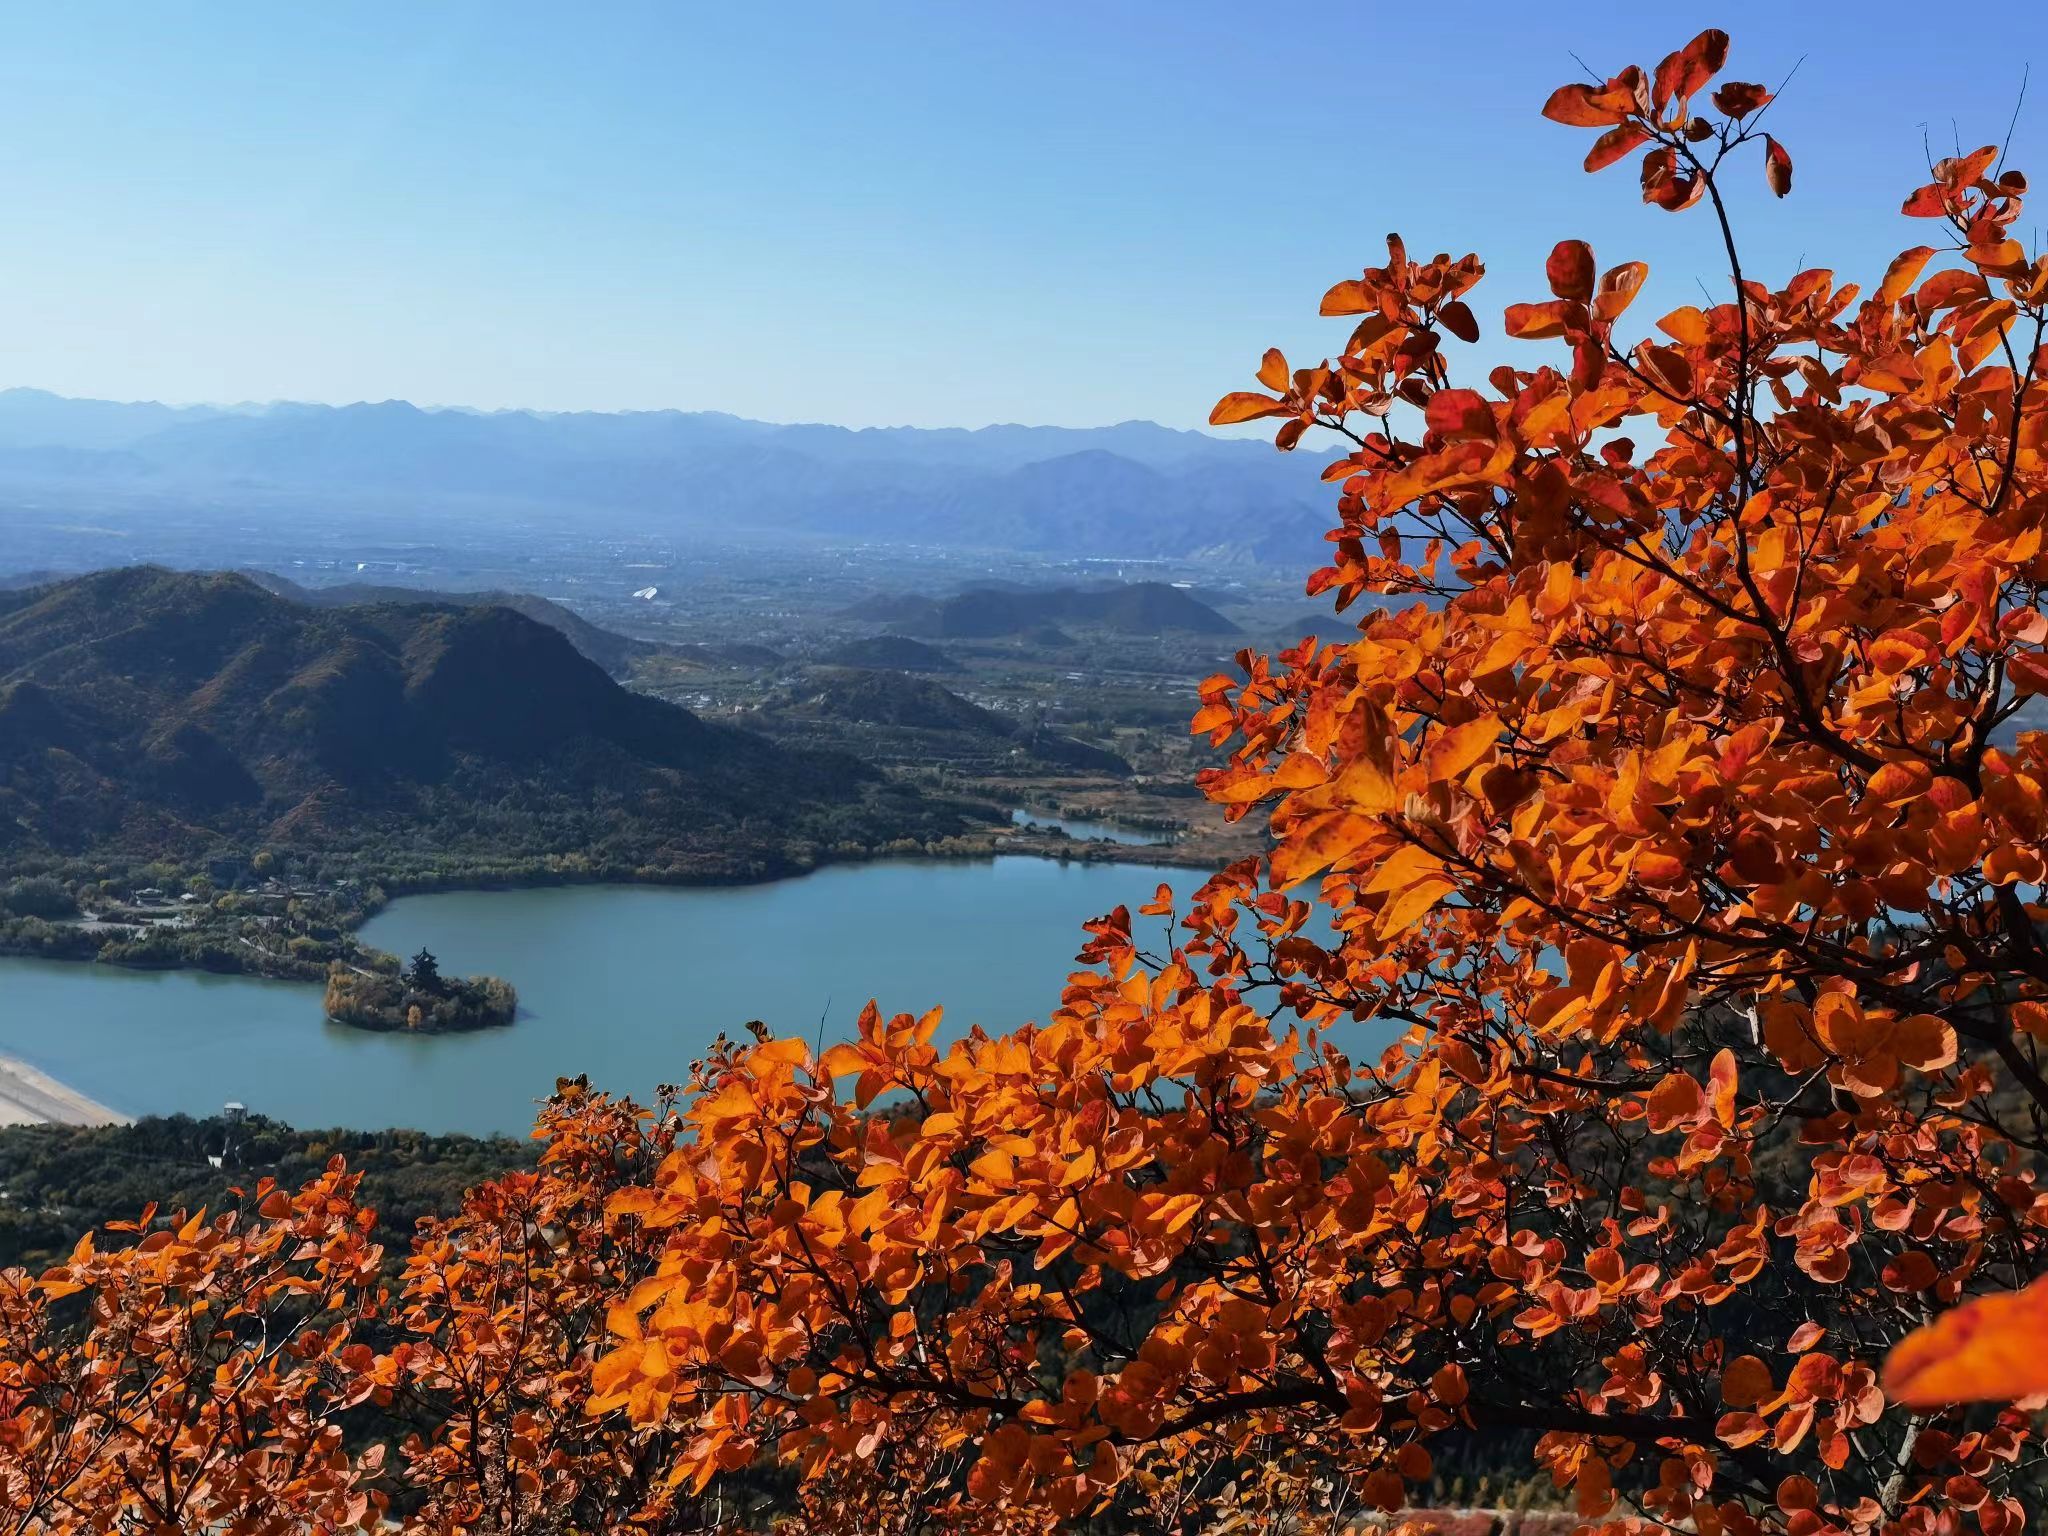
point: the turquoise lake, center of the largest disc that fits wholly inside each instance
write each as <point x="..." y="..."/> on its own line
<point x="627" y="984"/>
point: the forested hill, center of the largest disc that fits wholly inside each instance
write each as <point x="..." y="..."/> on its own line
<point x="148" y="713"/>
<point x="607" y="647"/>
<point x="922" y="722"/>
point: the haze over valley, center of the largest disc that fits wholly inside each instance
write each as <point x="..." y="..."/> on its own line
<point x="264" y="669"/>
<point x="70" y="469"/>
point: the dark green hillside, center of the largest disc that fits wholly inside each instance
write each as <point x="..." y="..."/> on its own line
<point x="611" y="650"/>
<point x="148" y="714"/>
<point x="899" y="718"/>
<point x="1144" y="608"/>
<point x="892" y="652"/>
<point x="888" y="698"/>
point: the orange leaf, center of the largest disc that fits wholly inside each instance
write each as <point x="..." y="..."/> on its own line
<point x="1745" y="1382"/>
<point x="1451" y="751"/>
<point x="1618" y="288"/>
<point x="1900" y="275"/>
<point x="1721" y="1082"/>
<point x="1580" y="106"/>
<point x="1405" y="910"/>
<point x="1676" y="1100"/>
<point x="1318" y="843"/>
<point x="1687" y="326"/>
<point x="1243" y="405"/>
<point x="1535" y="322"/>
<point x="1350" y="297"/>
<point x="1993" y="1349"/>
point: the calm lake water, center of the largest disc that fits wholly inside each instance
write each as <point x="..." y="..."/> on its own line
<point x="625" y="983"/>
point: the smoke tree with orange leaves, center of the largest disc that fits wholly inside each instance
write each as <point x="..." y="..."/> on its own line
<point x="1677" y="806"/>
<point x="203" y="1386"/>
<point x="1677" y="811"/>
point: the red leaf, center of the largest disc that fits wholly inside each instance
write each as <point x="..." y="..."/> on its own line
<point x="1930" y="202"/>
<point x="1570" y="270"/>
<point x="1666" y="185"/>
<point x="1458" y="319"/>
<point x="1595" y="106"/>
<point x="1613" y="144"/>
<point x="1684" y="72"/>
<point x="2028" y="671"/>
<point x="1739" y="98"/>
<point x="1459" y="413"/>
<point x="1777" y="166"/>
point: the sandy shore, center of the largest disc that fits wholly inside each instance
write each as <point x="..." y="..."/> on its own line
<point x="29" y="1097"/>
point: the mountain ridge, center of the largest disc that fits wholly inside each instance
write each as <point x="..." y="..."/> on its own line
<point x="1134" y="490"/>
<point x="611" y="650"/>
<point x="153" y="713"/>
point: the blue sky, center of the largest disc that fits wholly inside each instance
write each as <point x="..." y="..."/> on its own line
<point x="871" y="213"/>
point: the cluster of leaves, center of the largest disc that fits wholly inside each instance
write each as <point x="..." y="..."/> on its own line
<point x="1682" y="816"/>
<point x="1678" y="815"/>
<point x="59" y="1180"/>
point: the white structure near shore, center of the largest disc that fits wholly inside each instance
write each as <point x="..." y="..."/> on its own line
<point x="30" y="1097"/>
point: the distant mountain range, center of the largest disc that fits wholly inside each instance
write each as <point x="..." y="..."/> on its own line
<point x="992" y="612"/>
<point x="1135" y="490"/>
<point x="151" y="713"/>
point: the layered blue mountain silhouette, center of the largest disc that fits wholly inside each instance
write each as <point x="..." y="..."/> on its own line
<point x="1134" y="490"/>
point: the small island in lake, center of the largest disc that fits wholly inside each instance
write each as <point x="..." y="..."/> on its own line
<point x="417" y="997"/>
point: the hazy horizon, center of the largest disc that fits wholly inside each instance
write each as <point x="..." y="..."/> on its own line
<point x="252" y="405"/>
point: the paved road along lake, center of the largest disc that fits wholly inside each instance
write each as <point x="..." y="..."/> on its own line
<point x="625" y="983"/>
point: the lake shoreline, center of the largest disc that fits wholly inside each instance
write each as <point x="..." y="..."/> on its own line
<point x="628" y="984"/>
<point x="30" y="1096"/>
<point x="1012" y="841"/>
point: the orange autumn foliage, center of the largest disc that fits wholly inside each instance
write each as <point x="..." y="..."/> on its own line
<point x="1993" y="1349"/>
<point x="1675" y="813"/>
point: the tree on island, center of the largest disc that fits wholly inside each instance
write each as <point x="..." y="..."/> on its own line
<point x="1676" y="806"/>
